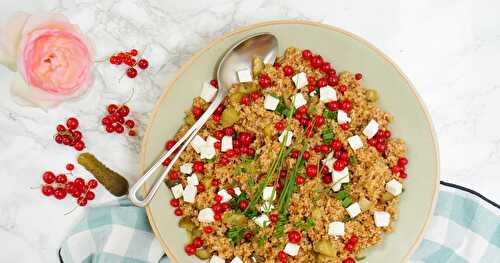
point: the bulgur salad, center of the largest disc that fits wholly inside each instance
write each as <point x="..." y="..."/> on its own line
<point x="296" y="165"/>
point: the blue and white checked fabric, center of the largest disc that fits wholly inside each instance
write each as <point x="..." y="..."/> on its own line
<point x="464" y="228"/>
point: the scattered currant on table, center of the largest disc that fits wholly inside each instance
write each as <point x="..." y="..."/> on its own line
<point x="115" y="121"/>
<point x="69" y="135"/>
<point x="130" y="60"/>
<point x="61" y="187"/>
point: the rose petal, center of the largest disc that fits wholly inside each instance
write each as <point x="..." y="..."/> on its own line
<point x="10" y="36"/>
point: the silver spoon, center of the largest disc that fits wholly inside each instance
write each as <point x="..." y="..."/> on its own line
<point x="238" y="57"/>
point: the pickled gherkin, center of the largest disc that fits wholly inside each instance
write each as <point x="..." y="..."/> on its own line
<point x="111" y="180"/>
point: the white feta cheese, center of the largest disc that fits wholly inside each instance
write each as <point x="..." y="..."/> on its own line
<point x="291" y="249"/>
<point x="353" y="210"/>
<point x="336" y="229"/>
<point x="270" y="102"/>
<point x="244" y="75"/>
<point x="207" y="151"/>
<point x="237" y="191"/>
<point x="327" y="94"/>
<point x="300" y="80"/>
<point x="299" y="101"/>
<point x="339" y="178"/>
<point x="328" y="161"/>
<point x="269" y="193"/>
<point x="226" y="144"/>
<point x="262" y="220"/>
<point x="225" y="195"/>
<point x="371" y="129"/>
<point x="236" y="260"/>
<point x="187" y="168"/>
<point x="355" y="142"/>
<point x="289" y="135"/>
<point x="206" y="215"/>
<point x="266" y="207"/>
<point x="189" y="193"/>
<point x="217" y="259"/>
<point x="197" y="143"/>
<point x="382" y="218"/>
<point x="193" y="180"/>
<point x="394" y="187"/>
<point x="177" y="190"/>
<point x="211" y="140"/>
<point x="208" y="92"/>
<point x="342" y="117"/>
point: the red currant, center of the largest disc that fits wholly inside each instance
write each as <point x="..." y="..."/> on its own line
<point x="208" y="230"/>
<point x="279" y="126"/>
<point x="402" y="161"/>
<point x="243" y="204"/>
<point x="61" y="178"/>
<point x="311" y="170"/>
<point x="112" y="108"/>
<point x="123" y="111"/>
<point x="200" y="188"/>
<point x="143" y="64"/>
<point x="60" y="193"/>
<point x="287" y="71"/>
<point x="82" y="201"/>
<point x="72" y="123"/>
<point x="48" y="177"/>
<point x="92" y="184"/>
<point x="131" y="73"/>
<point x="197" y="242"/>
<point x="133" y="52"/>
<point x="327" y="179"/>
<point x="47" y="190"/>
<point x="90" y="195"/>
<point x="130" y="124"/>
<point x="316" y="61"/>
<point x="79" y="145"/>
<point x="198" y="167"/>
<point x="173" y="175"/>
<point x="174" y="202"/>
<point x="332" y="105"/>
<point x="245" y="100"/>
<point x="342" y="88"/>
<point x="294" y="236"/>
<point x="273" y="218"/>
<point x="264" y="81"/>
<point x="358" y="76"/>
<point x="214" y="83"/>
<point x="190" y="249"/>
<point x="70" y="167"/>
<point x="306" y="54"/>
<point x="178" y="212"/>
<point x="348" y="260"/>
<point x="197" y="112"/>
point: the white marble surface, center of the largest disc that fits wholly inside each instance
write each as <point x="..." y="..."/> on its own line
<point x="449" y="49"/>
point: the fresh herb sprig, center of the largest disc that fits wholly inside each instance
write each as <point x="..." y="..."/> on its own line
<point x="236" y="234"/>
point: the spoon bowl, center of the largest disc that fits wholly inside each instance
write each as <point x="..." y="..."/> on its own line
<point x="238" y="57"/>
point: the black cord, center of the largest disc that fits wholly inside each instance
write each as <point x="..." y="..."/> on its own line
<point x="459" y="187"/>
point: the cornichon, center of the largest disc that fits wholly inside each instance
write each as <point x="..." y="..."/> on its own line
<point x="112" y="181"/>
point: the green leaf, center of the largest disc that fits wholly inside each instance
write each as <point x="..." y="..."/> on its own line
<point x="347" y="201"/>
<point x="341" y="195"/>
<point x="360" y="257"/>
<point x="236" y="234"/>
<point x="330" y="114"/>
<point x="237" y="170"/>
<point x="327" y="135"/>
<point x="353" y="160"/>
<point x="251" y="213"/>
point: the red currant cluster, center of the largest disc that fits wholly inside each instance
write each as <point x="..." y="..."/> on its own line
<point x="379" y="141"/>
<point x="400" y="167"/>
<point x="241" y="144"/>
<point x="68" y="135"/>
<point x="128" y="59"/>
<point x="59" y="186"/>
<point x="115" y="120"/>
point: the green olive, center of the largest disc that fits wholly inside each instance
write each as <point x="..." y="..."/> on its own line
<point x="229" y="117"/>
<point x="269" y="130"/>
<point x="257" y="66"/>
<point x="187" y="223"/>
<point x="364" y="204"/>
<point x="386" y="197"/>
<point x="323" y="258"/>
<point x="316" y="213"/>
<point x="325" y="247"/>
<point x="372" y="95"/>
<point x="236" y="97"/>
<point x="235" y="219"/>
<point x="202" y="253"/>
<point x="206" y="181"/>
<point x="196" y="232"/>
<point x="189" y="119"/>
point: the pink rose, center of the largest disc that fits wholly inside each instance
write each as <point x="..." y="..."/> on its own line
<point x="50" y="56"/>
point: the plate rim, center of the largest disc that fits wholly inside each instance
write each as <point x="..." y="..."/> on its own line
<point x="189" y="62"/>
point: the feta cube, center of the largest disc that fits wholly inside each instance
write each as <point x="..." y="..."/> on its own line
<point x="270" y="102"/>
<point x="237" y="191"/>
<point x="300" y="80"/>
<point x="382" y="218"/>
<point x="225" y="195"/>
<point x="394" y="187"/>
<point x="269" y="193"/>
<point x="353" y="210"/>
<point x="298" y="100"/>
<point x="226" y="144"/>
<point x="208" y="92"/>
<point x="236" y="260"/>
<point x="193" y="180"/>
<point x="355" y="142"/>
<point x="211" y="140"/>
<point x="336" y="229"/>
<point x="197" y="143"/>
<point x="371" y="129"/>
<point x="217" y="259"/>
<point x="244" y="75"/>
<point x="327" y="94"/>
<point x="339" y="178"/>
<point x="289" y="135"/>
<point x="291" y="249"/>
<point x="189" y="193"/>
<point x="266" y="207"/>
<point x="207" y="151"/>
<point x="177" y="190"/>
<point x="187" y="168"/>
<point x="262" y="220"/>
<point x="206" y="215"/>
<point x="342" y="117"/>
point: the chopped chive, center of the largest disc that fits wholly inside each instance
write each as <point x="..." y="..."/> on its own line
<point x="341" y="195"/>
<point x="330" y="114"/>
<point x="353" y="160"/>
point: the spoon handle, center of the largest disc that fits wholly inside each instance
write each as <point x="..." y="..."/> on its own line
<point x="182" y="143"/>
